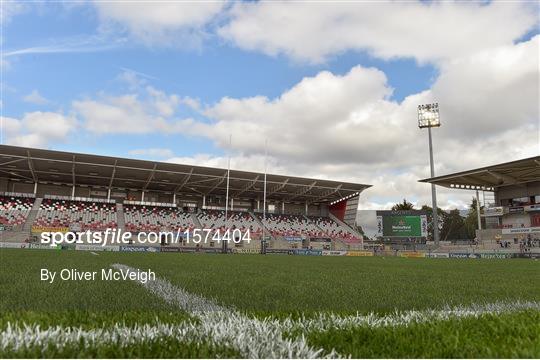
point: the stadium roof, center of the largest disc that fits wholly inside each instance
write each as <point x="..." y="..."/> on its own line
<point x="490" y="177"/>
<point x="67" y="168"/>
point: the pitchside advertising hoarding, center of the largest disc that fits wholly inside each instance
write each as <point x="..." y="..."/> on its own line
<point x="402" y="224"/>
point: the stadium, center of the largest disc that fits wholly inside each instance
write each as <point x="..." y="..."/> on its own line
<point x="51" y="191"/>
<point x="54" y="191"/>
<point x="269" y="179"/>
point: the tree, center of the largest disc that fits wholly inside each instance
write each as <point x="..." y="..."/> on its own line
<point x="441" y="218"/>
<point x="453" y="227"/>
<point x="360" y="230"/>
<point x="405" y="205"/>
<point x="471" y="221"/>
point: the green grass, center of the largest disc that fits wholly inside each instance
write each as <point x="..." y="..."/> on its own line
<point x="22" y="288"/>
<point x="289" y="284"/>
<point x="279" y="286"/>
<point x="25" y="298"/>
<point x="505" y="336"/>
<point x="161" y="348"/>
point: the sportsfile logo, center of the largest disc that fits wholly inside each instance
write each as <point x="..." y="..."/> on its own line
<point x="120" y="237"/>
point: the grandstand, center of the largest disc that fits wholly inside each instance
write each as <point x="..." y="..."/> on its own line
<point x="15" y="208"/>
<point x="76" y="214"/>
<point x="510" y="197"/>
<point x="44" y="190"/>
<point x="140" y="217"/>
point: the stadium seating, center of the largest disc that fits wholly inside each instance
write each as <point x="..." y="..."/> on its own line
<point x="215" y="219"/>
<point x="77" y="214"/>
<point x="156" y="218"/>
<point x="313" y="226"/>
<point x="15" y="209"/>
<point x="290" y="225"/>
<point x="334" y="230"/>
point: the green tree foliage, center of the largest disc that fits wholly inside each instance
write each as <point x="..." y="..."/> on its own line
<point x="405" y="205"/>
<point x="453" y="227"/>
<point x="442" y="215"/>
<point x="471" y="221"/>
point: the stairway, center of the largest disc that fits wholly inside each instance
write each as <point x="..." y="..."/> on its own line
<point x="265" y="230"/>
<point x="32" y="215"/>
<point x="120" y="217"/>
<point x="341" y="223"/>
<point x="196" y="221"/>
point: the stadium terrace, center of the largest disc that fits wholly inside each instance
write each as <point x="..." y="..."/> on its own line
<point x="48" y="191"/>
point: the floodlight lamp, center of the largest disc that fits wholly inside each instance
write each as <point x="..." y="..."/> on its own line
<point x="428" y="116"/>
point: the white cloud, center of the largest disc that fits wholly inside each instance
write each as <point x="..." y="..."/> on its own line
<point x="129" y="114"/>
<point x="35" y="98"/>
<point x="37" y="129"/>
<point x="162" y="23"/>
<point x="11" y="9"/>
<point x="153" y="152"/>
<point x="342" y="127"/>
<point x="345" y="127"/>
<point x="426" y="31"/>
<point x="245" y="162"/>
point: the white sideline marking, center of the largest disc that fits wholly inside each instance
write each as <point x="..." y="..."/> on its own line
<point x="93" y="253"/>
<point x="253" y="338"/>
<point x="222" y="326"/>
<point x="325" y="322"/>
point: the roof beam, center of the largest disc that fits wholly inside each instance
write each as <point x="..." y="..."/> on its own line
<point x="184" y="182"/>
<point x="471" y="180"/>
<point x="221" y="180"/>
<point x="503" y="179"/>
<point x="73" y="171"/>
<point x="304" y="191"/>
<point x="15" y="174"/>
<point x="150" y="177"/>
<point x="31" y="167"/>
<point x="273" y="185"/>
<point x="11" y="162"/>
<point x="113" y="174"/>
<point x="326" y="194"/>
<point x="248" y="186"/>
<point x="278" y="187"/>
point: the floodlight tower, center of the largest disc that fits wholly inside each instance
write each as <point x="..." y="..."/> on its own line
<point x="428" y="117"/>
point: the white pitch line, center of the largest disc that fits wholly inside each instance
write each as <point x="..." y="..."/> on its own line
<point x="16" y="337"/>
<point x="325" y="321"/>
<point x="93" y="253"/>
<point x="253" y="338"/>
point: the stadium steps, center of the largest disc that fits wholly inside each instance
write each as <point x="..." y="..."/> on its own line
<point x="341" y="223"/>
<point x="265" y="229"/>
<point x="196" y="221"/>
<point x="32" y="215"/>
<point x="120" y="217"/>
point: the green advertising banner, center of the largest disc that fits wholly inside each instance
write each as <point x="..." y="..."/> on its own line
<point x="402" y="226"/>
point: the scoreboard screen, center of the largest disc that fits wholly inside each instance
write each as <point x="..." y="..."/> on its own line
<point x="401" y="224"/>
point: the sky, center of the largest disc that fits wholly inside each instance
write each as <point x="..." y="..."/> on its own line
<point x="331" y="87"/>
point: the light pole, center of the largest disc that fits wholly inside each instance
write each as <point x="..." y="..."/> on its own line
<point x="428" y="117"/>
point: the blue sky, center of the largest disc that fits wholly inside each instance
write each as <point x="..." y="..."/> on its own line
<point x="82" y="71"/>
<point x="209" y="73"/>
